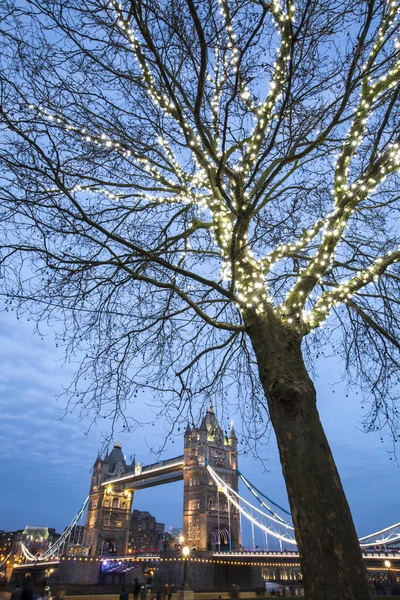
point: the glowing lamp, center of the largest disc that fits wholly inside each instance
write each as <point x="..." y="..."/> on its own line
<point x="186" y="551"/>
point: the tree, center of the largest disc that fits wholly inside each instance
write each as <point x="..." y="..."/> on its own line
<point x="194" y="189"/>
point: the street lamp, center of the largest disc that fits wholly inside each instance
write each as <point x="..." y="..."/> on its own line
<point x="186" y="553"/>
<point x="388" y="564"/>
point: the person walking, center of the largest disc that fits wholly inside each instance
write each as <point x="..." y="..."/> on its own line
<point x="61" y="593"/>
<point x="16" y="593"/>
<point x="136" y="588"/>
<point x="124" y="595"/>
<point x="27" y="592"/>
<point x="47" y="593"/>
<point x="143" y="592"/>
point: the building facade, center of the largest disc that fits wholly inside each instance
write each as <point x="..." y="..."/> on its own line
<point x="210" y="521"/>
<point x="145" y="533"/>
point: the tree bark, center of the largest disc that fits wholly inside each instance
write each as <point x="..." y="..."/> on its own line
<point x="330" y="554"/>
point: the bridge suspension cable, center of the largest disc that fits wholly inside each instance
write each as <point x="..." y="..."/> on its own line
<point x="3" y="562"/>
<point x="28" y="555"/>
<point x="269" y="523"/>
<point x="263" y="499"/>
<point x="388" y="535"/>
<point x="53" y="549"/>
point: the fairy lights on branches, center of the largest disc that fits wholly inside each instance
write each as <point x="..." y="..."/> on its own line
<point x="231" y="129"/>
<point x="223" y="179"/>
<point x="196" y="187"/>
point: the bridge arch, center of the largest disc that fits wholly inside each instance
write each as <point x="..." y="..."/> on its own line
<point x="108" y="547"/>
<point x="220" y="538"/>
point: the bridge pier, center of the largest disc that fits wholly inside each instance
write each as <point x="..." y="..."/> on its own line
<point x="205" y="573"/>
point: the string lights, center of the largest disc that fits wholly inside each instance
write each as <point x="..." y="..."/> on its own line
<point x="220" y="181"/>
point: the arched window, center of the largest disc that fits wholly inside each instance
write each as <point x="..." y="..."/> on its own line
<point x="210" y="503"/>
<point x="115" y="503"/>
<point x="220" y="537"/>
<point x="106" y="502"/>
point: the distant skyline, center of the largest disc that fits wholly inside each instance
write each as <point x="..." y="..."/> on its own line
<point x="46" y="459"/>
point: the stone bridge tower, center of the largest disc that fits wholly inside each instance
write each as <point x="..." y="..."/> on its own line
<point x="208" y="522"/>
<point x="109" y="509"/>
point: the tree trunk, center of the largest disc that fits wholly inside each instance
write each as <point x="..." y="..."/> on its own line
<point x="330" y="555"/>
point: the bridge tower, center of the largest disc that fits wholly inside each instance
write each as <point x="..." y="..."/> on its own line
<point x="109" y="508"/>
<point x="210" y="522"/>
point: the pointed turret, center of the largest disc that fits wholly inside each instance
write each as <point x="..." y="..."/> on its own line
<point x="203" y="424"/>
<point x="116" y="457"/>
<point x="232" y="433"/>
<point x="97" y="461"/>
<point x="209" y="421"/>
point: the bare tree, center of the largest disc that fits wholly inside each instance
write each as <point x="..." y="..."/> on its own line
<point x="194" y="189"/>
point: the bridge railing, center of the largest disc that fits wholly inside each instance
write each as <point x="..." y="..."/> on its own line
<point x="163" y="463"/>
<point x="171" y="462"/>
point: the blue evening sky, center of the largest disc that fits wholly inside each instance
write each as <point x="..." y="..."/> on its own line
<point x="45" y="462"/>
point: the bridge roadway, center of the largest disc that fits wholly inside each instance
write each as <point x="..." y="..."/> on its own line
<point x="374" y="560"/>
<point x="165" y="471"/>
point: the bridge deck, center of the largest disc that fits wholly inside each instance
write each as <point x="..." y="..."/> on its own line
<point x="159" y="473"/>
<point x="373" y="560"/>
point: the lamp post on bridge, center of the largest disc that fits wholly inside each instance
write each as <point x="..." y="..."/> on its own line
<point x="186" y="553"/>
<point x="391" y="580"/>
<point x="186" y="593"/>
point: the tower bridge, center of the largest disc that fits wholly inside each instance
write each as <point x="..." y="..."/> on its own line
<point x="213" y="511"/>
<point x="210" y="520"/>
